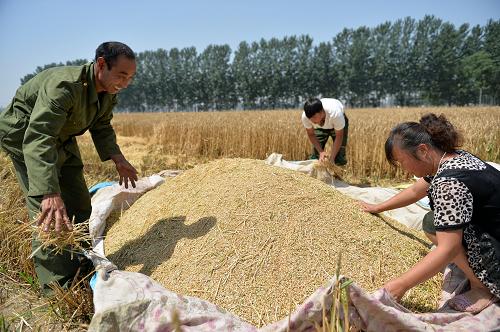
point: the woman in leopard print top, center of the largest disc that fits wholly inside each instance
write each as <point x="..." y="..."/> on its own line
<point x="464" y="192"/>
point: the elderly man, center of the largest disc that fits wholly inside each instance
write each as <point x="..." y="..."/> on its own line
<point x="324" y="118"/>
<point x="38" y="132"/>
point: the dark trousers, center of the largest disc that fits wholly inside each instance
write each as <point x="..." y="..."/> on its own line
<point x="49" y="267"/>
<point x="323" y="134"/>
<point x="428" y="223"/>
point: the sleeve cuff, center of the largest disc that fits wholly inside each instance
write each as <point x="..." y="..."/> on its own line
<point x="105" y="154"/>
<point x="451" y="227"/>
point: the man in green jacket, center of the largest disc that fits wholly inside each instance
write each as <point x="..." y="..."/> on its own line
<point x="38" y="132"/>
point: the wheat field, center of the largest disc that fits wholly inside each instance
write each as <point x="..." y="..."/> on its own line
<point x="186" y="139"/>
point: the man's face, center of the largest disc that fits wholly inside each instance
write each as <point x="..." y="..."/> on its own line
<point x="118" y="77"/>
<point x="319" y="118"/>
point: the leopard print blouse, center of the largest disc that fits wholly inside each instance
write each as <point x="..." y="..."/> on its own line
<point x="452" y="202"/>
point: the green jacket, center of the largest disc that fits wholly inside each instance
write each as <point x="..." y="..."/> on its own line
<point x="46" y="114"/>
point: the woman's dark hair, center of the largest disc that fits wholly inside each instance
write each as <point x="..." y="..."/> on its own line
<point x="432" y="130"/>
<point x="312" y="106"/>
<point x="110" y="51"/>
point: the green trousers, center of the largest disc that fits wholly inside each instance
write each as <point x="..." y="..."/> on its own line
<point x="323" y="134"/>
<point x="50" y="267"/>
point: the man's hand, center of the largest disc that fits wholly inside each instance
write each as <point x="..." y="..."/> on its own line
<point x="125" y="170"/>
<point x="323" y="156"/>
<point x="53" y="210"/>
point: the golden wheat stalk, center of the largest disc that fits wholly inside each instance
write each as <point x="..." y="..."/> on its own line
<point x="337" y="322"/>
<point x="334" y="170"/>
<point x="75" y="241"/>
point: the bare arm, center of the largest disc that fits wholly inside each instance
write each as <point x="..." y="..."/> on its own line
<point x="406" y="197"/>
<point x="337" y="143"/>
<point x="449" y="245"/>
<point x="314" y="141"/>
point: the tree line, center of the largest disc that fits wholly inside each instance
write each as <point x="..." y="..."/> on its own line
<point x="403" y="63"/>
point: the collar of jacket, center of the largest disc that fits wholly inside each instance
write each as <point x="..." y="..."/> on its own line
<point x="88" y="80"/>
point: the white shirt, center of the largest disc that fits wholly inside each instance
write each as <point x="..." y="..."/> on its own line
<point x="334" y="115"/>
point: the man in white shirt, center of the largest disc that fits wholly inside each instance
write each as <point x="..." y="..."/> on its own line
<point x="325" y="118"/>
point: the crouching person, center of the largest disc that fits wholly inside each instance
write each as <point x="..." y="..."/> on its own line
<point x="38" y="131"/>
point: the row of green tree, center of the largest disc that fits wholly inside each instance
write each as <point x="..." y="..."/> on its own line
<point x="408" y="62"/>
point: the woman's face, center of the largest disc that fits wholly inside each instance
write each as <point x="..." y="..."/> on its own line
<point x="417" y="166"/>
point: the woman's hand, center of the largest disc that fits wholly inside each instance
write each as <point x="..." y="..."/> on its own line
<point x="370" y="208"/>
<point x="396" y="288"/>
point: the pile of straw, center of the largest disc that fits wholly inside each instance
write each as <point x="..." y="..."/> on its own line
<point x="257" y="239"/>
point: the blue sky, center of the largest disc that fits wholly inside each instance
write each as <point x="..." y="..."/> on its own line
<point x="38" y="32"/>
